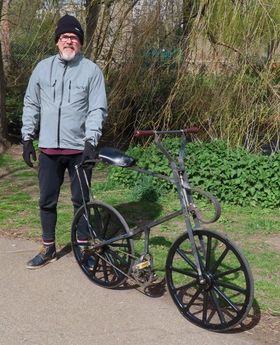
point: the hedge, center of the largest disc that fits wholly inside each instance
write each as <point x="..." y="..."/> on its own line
<point x="234" y="175"/>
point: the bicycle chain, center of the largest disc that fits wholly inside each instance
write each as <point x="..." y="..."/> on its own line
<point x="144" y="285"/>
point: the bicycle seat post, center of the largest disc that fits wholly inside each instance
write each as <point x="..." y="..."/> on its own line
<point x="77" y="168"/>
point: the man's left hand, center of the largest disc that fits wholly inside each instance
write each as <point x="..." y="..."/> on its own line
<point x="90" y="152"/>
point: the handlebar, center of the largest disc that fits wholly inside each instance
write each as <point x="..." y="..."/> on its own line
<point x="149" y="132"/>
<point x="87" y="163"/>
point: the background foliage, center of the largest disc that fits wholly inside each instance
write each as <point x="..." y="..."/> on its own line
<point x="168" y="64"/>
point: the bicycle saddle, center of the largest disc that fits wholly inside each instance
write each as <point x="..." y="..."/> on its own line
<point x="116" y="157"/>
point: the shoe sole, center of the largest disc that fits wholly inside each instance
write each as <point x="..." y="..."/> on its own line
<point x="44" y="264"/>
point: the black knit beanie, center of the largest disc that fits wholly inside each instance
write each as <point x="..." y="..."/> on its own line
<point x="69" y="24"/>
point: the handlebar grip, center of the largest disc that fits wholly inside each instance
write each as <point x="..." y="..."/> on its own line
<point x="144" y="133"/>
<point x="191" y="130"/>
<point x="149" y="132"/>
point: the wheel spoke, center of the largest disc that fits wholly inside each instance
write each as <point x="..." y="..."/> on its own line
<point x="96" y="216"/>
<point x="184" y="272"/>
<point x="184" y="256"/>
<point x="202" y="245"/>
<point x="228" y="272"/>
<point x="95" y="265"/>
<point x="205" y="306"/>
<point x="111" y="264"/>
<point x="193" y="299"/>
<point x="208" y="253"/>
<point x="91" y="231"/>
<point x="105" y="226"/>
<point x="117" y="273"/>
<point x="231" y="286"/>
<point x="219" y="261"/>
<point x="102" y="222"/>
<point x="186" y="286"/>
<point x="104" y="269"/>
<point x="217" y="306"/>
<point x="225" y="298"/>
<point x="116" y="255"/>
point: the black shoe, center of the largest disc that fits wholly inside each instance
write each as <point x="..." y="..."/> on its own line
<point x="46" y="255"/>
<point x="87" y="258"/>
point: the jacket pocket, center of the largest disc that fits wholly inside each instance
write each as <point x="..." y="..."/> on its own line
<point x="48" y="91"/>
<point x="77" y="92"/>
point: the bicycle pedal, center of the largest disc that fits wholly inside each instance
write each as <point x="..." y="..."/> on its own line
<point x="142" y="265"/>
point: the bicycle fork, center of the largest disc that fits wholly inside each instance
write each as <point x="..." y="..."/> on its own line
<point x="184" y="193"/>
<point x="182" y="189"/>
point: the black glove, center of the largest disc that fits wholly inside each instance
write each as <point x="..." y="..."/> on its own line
<point x="89" y="152"/>
<point x="28" y="150"/>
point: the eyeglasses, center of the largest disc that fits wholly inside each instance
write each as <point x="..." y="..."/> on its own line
<point x="65" y="38"/>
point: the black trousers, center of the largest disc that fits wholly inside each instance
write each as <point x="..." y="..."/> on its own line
<point x="51" y="176"/>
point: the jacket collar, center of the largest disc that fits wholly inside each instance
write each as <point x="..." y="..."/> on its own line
<point x="73" y="62"/>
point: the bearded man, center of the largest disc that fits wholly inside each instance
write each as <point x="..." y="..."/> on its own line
<point x="66" y="105"/>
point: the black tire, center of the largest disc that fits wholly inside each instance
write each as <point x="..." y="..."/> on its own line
<point x="226" y="296"/>
<point x="109" y="265"/>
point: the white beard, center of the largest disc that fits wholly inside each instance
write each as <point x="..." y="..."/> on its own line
<point x="67" y="56"/>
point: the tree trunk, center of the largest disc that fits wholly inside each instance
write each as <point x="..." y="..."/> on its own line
<point x="5" y="36"/>
<point x="92" y="13"/>
<point x="3" y="122"/>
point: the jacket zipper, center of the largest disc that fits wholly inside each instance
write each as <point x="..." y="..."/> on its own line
<point x="69" y="93"/>
<point x="59" y="109"/>
<point x="54" y="90"/>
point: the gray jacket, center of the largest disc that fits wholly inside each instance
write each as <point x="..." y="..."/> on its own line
<point x="65" y="102"/>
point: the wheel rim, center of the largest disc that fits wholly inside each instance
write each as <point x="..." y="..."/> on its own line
<point x="224" y="297"/>
<point x="110" y="264"/>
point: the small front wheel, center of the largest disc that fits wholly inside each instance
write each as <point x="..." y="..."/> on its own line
<point x="223" y="298"/>
<point x="108" y="265"/>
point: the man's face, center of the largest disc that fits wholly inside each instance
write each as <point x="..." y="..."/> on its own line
<point x="68" y="45"/>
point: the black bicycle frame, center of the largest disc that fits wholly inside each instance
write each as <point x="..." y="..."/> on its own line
<point x="180" y="179"/>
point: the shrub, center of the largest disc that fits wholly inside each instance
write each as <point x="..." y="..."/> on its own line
<point x="144" y="189"/>
<point x="233" y="174"/>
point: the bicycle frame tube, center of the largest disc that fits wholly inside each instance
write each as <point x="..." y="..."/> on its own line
<point x="77" y="167"/>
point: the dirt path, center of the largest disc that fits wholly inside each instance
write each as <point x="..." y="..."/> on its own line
<point x="58" y="305"/>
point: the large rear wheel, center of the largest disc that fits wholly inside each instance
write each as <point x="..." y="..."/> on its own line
<point x="108" y="265"/>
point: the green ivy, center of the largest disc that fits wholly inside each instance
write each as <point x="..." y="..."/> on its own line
<point x="233" y="174"/>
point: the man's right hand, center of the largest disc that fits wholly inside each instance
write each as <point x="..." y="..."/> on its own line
<point x="28" y="151"/>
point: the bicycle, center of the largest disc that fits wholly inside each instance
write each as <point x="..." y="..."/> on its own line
<point x="207" y="276"/>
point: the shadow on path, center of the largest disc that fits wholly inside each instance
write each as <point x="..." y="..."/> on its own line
<point x="64" y="251"/>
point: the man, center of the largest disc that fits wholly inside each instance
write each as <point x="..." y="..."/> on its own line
<point x="65" y="102"/>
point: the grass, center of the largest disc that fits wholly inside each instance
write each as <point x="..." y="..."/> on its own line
<point x="254" y="229"/>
